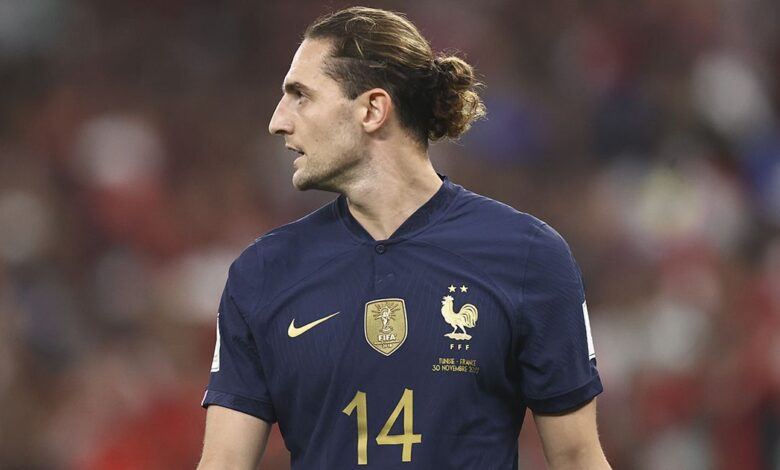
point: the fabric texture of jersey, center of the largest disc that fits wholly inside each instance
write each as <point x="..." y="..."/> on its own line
<point x="442" y="336"/>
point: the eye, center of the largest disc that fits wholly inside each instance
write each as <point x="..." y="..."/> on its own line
<point x="296" y="94"/>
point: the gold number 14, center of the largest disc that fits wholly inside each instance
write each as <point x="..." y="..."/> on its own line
<point x="407" y="439"/>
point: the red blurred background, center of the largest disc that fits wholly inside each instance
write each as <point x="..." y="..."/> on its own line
<point x="135" y="165"/>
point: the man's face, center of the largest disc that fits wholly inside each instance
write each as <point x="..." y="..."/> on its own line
<point x="318" y="121"/>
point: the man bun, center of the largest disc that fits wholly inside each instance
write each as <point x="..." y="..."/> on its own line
<point x="435" y="97"/>
<point x="456" y="104"/>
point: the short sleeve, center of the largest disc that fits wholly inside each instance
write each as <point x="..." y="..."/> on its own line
<point x="237" y="378"/>
<point x="555" y="352"/>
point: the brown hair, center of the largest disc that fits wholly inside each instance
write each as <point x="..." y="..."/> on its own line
<point x="435" y="97"/>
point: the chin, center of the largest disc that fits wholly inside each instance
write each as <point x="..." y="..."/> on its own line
<point x="299" y="183"/>
<point x="303" y="182"/>
<point x="306" y="182"/>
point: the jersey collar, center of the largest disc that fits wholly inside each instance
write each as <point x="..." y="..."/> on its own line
<point x="422" y="218"/>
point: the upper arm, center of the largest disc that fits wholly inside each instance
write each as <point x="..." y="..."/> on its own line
<point x="570" y="440"/>
<point x="233" y="440"/>
<point x="559" y="379"/>
<point x="240" y="410"/>
<point x="555" y="354"/>
<point x="238" y="371"/>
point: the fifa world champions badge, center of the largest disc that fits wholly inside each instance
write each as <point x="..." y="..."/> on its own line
<point x="385" y="324"/>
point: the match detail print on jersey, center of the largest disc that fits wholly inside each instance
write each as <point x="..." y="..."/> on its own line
<point x="293" y="331"/>
<point x="385" y="324"/>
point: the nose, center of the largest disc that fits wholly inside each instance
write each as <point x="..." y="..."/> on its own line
<point x="280" y="122"/>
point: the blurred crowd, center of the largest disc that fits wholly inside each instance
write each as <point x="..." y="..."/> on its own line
<point x="135" y="165"/>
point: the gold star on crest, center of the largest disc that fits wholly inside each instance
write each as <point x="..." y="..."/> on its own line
<point x="463" y="288"/>
<point x="451" y="288"/>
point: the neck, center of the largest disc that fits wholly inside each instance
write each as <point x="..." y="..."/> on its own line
<point x="391" y="191"/>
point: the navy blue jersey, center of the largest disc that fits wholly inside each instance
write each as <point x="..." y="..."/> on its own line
<point x="420" y="351"/>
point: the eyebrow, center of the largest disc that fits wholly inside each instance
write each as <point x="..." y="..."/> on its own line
<point x="292" y="87"/>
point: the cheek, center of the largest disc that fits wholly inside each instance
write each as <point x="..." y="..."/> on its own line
<point x="345" y="140"/>
<point x="348" y="126"/>
<point x="322" y="127"/>
<point x="332" y="130"/>
<point x="338" y="131"/>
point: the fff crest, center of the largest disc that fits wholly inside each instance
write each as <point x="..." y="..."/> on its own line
<point x="385" y="325"/>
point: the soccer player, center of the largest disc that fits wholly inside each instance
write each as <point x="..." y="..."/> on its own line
<point x="410" y="323"/>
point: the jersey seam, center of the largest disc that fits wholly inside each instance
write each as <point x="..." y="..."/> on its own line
<point x="566" y="392"/>
<point x="406" y="237"/>
<point x="242" y="396"/>
<point x="343" y="223"/>
<point x="254" y="340"/>
<point x="434" y="220"/>
<point x="261" y="266"/>
<point x="487" y="276"/>
<point x="521" y="309"/>
<point x="260" y="259"/>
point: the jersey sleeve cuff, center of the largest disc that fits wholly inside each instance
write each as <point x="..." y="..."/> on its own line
<point x="567" y="401"/>
<point x="256" y="408"/>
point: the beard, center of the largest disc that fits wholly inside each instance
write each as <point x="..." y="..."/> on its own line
<point x="327" y="174"/>
<point x="334" y="168"/>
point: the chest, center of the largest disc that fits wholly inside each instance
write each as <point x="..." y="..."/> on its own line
<point x="383" y="314"/>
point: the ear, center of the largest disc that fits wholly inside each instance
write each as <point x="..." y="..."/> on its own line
<point x="375" y="109"/>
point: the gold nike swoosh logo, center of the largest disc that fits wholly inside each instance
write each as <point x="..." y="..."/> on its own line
<point x="294" y="331"/>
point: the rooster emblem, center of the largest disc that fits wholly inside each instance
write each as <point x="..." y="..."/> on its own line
<point x="466" y="317"/>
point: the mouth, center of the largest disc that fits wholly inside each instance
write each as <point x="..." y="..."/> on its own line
<point x="295" y="149"/>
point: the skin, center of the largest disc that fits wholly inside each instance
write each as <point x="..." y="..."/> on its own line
<point x="571" y="440"/>
<point x="358" y="148"/>
<point x="354" y="147"/>
<point x="233" y="440"/>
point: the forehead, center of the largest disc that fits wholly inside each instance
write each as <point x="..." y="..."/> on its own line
<point x="307" y="63"/>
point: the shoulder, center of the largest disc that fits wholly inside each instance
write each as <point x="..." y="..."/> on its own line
<point x="308" y="233"/>
<point x="289" y="251"/>
<point x="502" y="242"/>
<point x="479" y="219"/>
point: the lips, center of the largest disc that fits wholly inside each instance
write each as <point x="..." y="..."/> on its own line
<point x="295" y="149"/>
